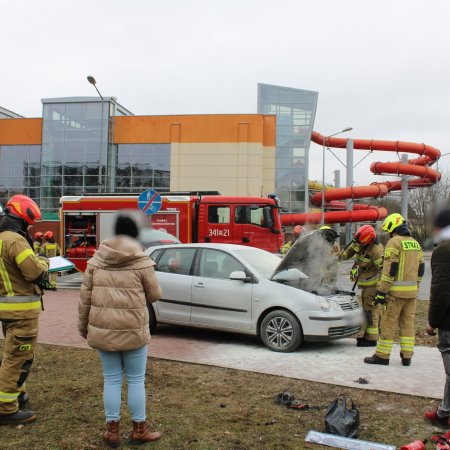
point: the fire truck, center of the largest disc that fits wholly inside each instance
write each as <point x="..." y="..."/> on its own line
<point x="192" y="217"/>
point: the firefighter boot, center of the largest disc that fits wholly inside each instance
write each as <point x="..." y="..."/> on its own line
<point x="405" y="361"/>
<point x="141" y="434"/>
<point x="17" y="418"/>
<point x="376" y="360"/>
<point x="366" y="343"/>
<point x="111" y="436"/>
<point x="23" y="399"/>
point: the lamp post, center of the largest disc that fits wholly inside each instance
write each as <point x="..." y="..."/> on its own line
<point x="92" y="80"/>
<point x="323" y="169"/>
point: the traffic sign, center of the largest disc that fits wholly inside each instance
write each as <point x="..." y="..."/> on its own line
<point x="149" y="202"/>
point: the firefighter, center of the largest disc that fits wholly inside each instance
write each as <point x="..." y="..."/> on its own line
<point x="366" y="274"/>
<point x="20" y="304"/>
<point x="397" y="291"/>
<point x="38" y="243"/>
<point x="298" y="229"/>
<point x="50" y="250"/>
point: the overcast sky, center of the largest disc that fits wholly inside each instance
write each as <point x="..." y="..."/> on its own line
<point x="380" y="66"/>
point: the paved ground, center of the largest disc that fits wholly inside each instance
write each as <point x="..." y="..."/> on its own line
<point x="337" y="363"/>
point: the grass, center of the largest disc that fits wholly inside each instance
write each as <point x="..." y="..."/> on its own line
<point x="198" y="407"/>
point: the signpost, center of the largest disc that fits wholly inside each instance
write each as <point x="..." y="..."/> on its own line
<point x="149" y="202"/>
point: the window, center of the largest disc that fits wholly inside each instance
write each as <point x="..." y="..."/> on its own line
<point x="251" y="214"/>
<point x="176" y="260"/>
<point x="218" y="214"/>
<point x="217" y="264"/>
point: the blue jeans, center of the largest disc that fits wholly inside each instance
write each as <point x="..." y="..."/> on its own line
<point x="114" y="364"/>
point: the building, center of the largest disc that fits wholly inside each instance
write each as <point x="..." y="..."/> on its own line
<point x="83" y="145"/>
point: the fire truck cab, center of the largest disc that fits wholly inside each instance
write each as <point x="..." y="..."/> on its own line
<point x="253" y="221"/>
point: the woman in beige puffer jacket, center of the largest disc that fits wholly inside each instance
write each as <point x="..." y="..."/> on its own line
<point x="118" y="284"/>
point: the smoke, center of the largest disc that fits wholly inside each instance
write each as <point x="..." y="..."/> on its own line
<point x="314" y="256"/>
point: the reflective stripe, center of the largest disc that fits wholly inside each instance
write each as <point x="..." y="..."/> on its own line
<point x="22" y="256"/>
<point x="4" y="274"/>
<point x="403" y="288"/>
<point x="384" y="346"/>
<point x="388" y="252"/>
<point x="378" y="262"/>
<point x="407" y="343"/>
<point x="369" y="282"/>
<point x="19" y="306"/>
<point x="19" y="298"/>
<point x="386" y="278"/>
<point x="53" y="246"/>
<point x="372" y="330"/>
<point x="401" y="268"/>
<point x="404" y="283"/>
<point x="365" y="259"/>
<point x="8" y="397"/>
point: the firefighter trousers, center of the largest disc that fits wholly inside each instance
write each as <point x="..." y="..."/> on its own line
<point x="372" y="313"/>
<point x="53" y="277"/>
<point x="20" y="340"/>
<point x="401" y="311"/>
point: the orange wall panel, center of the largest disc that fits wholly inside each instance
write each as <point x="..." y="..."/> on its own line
<point x="20" y="131"/>
<point x="270" y="131"/>
<point x="197" y="128"/>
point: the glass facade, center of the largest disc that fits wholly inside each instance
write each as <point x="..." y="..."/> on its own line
<point x="142" y="166"/>
<point x="295" y="110"/>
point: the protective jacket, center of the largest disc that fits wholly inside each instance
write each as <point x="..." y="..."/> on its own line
<point x="51" y="249"/>
<point x="118" y="283"/>
<point x="369" y="260"/>
<point x="20" y="271"/>
<point x="403" y="267"/>
<point x="37" y="247"/>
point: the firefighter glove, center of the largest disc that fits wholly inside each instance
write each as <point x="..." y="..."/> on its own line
<point x="380" y="299"/>
<point x="354" y="272"/>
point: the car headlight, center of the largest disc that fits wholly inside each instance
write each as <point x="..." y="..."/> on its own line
<point x="323" y="303"/>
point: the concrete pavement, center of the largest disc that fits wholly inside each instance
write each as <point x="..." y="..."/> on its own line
<point x="338" y="362"/>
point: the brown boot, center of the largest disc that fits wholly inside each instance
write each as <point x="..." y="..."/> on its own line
<point x="111" y="436"/>
<point x="141" y="434"/>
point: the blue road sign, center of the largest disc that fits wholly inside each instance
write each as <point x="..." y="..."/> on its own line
<point x="149" y="202"/>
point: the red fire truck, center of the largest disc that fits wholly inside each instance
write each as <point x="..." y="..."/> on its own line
<point x="191" y="217"/>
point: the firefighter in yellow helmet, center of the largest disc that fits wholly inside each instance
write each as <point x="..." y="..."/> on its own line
<point x="20" y="304"/>
<point x="397" y="291"/>
<point x="51" y="249"/>
<point x="297" y="231"/>
<point x="365" y="273"/>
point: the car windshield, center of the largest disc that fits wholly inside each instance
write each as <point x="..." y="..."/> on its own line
<point x="264" y="262"/>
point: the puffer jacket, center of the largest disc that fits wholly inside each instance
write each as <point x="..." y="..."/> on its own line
<point x="118" y="283"/>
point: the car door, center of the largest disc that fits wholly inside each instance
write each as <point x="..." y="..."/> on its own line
<point x="174" y="274"/>
<point x="217" y="300"/>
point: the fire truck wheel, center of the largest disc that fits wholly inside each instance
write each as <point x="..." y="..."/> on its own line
<point x="152" y="323"/>
<point x="281" y="331"/>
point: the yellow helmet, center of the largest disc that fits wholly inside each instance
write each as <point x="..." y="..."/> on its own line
<point x="325" y="227"/>
<point x="392" y="222"/>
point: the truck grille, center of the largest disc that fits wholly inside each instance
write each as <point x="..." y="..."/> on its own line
<point x="349" y="305"/>
<point x="342" y="331"/>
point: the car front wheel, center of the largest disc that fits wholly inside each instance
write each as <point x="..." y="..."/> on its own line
<point x="281" y="331"/>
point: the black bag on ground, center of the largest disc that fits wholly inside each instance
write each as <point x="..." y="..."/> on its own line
<point x="342" y="418"/>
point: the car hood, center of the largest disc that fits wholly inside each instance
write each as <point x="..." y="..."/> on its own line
<point x="312" y="255"/>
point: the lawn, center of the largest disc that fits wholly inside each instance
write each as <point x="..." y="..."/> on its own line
<point x="198" y="407"/>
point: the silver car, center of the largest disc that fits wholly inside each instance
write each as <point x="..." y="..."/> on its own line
<point x="247" y="290"/>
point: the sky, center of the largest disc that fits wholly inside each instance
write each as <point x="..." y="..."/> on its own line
<point x="380" y="66"/>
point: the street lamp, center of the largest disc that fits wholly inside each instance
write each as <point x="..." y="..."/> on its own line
<point x="323" y="169"/>
<point x="92" y="80"/>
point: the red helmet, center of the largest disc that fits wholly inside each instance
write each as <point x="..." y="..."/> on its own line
<point x="298" y="230"/>
<point x="23" y="207"/>
<point x="365" y="235"/>
<point x="38" y="235"/>
<point x="48" y="234"/>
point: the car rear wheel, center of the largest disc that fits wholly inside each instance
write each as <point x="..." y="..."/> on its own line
<point x="152" y="323"/>
<point x="280" y="331"/>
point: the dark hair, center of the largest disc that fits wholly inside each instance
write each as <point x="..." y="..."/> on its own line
<point x="126" y="225"/>
<point x="442" y="219"/>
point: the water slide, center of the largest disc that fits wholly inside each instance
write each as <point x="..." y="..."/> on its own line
<point x="419" y="168"/>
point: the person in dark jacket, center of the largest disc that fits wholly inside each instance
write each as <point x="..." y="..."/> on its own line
<point x="439" y="311"/>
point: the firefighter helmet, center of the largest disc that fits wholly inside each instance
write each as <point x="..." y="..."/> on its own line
<point x="365" y="235"/>
<point x="392" y="222"/>
<point x="38" y="235"/>
<point x="328" y="233"/>
<point x="48" y="235"/>
<point x="298" y="230"/>
<point x="23" y="207"/>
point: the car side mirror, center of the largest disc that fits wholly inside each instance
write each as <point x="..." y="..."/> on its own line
<point x="267" y="214"/>
<point x="239" y="275"/>
<point x="290" y="275"/>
